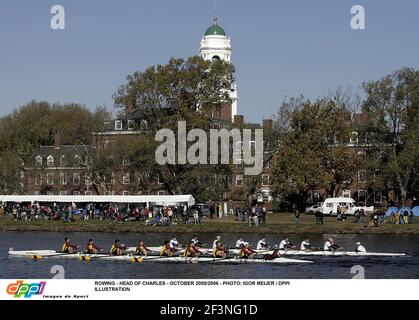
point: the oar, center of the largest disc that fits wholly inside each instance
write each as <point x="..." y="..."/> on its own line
<point x="39" y="257"/>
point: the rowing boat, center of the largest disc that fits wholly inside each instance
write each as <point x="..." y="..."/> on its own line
<point x="133" y="258"/>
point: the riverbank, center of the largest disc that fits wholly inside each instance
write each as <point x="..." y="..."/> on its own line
<point x="277" y="224"/>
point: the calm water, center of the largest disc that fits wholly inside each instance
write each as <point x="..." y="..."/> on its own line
<point x="323" y="268"/>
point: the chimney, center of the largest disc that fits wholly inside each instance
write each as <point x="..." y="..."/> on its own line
<point x="94" y="140"/>
<point x="57" y="141"/>
<point x="129" y="108"/>
<point x="267" y="124"/>
<point x="238" y="119"/>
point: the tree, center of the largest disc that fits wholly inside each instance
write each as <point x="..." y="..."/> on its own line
<point x="392" y="107"/>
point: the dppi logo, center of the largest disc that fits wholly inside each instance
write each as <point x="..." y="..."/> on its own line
<point x="27" y="290"/>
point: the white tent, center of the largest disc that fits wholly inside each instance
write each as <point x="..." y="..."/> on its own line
<point x="149" y="200"/>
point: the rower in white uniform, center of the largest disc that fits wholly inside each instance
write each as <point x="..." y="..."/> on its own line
<point x="174" y="244"/>
<point x="360" y="248"/>
<point x="214" y="245"/>
<point x="286" y="245"/>
<point x="262" y="245"/>
<point x="241" y="243"/>
<point x="330" y="245"/>
<point x="306" y="246"/>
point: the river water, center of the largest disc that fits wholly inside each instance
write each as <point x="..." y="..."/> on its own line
<point x="323" y="268"/>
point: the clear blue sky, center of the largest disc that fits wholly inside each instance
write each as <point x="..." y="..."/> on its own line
<point x="280" y="47"/>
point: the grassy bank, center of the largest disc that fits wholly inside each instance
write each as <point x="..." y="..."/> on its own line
<point x="277" y="224"/>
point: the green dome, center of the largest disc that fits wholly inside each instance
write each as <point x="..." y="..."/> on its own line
<point x="215" y="30"/>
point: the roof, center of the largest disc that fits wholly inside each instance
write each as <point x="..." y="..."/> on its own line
<point x="163" y="200"/>
<point x="215" y="30"/>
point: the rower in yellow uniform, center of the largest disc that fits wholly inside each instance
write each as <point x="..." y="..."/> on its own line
<point x="191" y="250"/>
<point x="91" y="247"/>
<point x="166" y="250"/>
<point x="247" y="252"/>
<point x="142" y="250"/>
<point x="117" y="249"/>
<point x="219" y="251"/>
<point x="68" y="247"/>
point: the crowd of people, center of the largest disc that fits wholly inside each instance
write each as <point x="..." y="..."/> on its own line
<point x="254" y="216"/>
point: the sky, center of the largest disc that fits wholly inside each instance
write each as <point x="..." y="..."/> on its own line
<point x="281" y="48"/>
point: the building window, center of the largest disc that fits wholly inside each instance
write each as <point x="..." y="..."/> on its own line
<point x="346" y="193"/>
<point x="20" y="174"/>
<point x="88" y="179"/>
<point x="76" y="193"/>
<point x="126" y="178"/>
<point x="131" y="125"/>
<point x="50" y="179"/>
<point x="362" y="196"/>
<point x="38" y="179"/>
<point x="37" y="193"/>
<point x="110" y="193"/>
<point x="354" y="138"/>
<point x="63" y="161"/>
<point x="362" y="176"/>
<point x="63" y="193"/>
<point x="76" y="161"/>
<point x="362" y="154"/>
<point x="76" y="179"/>
<point x="50" y="193"/>
<point x="88" y="193"/>
<point x="50" y="161"/>
<point x="126" y="193"/>
<point x="118" y="125"/>
<point x="162" y="193"/>
<point x="239" y="181"/>
<point x="39" y="161"/>
<point x="113" y="178"/>
<point x="63" y="179"/>
<point x="378" y="197"/>
<point x="265" y="180"/>
<point x="316" y="196"/>
<point x="160" y="179"/>
<point x="126" y="162"/>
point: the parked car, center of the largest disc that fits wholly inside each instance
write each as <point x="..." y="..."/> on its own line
<point x="202" y="208"/>
<point x="330" y="206"/>
<point x="314" y="208"/>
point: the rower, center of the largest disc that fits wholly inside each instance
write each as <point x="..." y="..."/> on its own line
<point x="196" y="242"/>
<point x="165" y="250"/>
<point x="306" y="246"/>
<point x="240" y="243"/>
<point x="286" y="245"/>
<point x="360" y="248"/>
<point x="262" y="245"/>
<point x="141" y="249"/>
<point x="214" y="245"/>
<point x="117" y="248"/>
<point x="274" y="255"/>
<point x="191" y="250"/>
<point x="247" y="252"/>
<point x="219" y="251"/>
<point x="68" y="247"/>
<point x="174" y="244"/>
<point x="91" y="247"/>
<point x="330" y="245"/>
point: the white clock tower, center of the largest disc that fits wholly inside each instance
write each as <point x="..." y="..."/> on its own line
<point x="215" y="45"/>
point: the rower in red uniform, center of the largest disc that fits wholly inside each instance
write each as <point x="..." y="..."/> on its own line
<point x="117" y="248"/>
<point x="91" y="247"/>
<point x="191" y="250"/>
<point x="219" y="251"/>
<point x="247" y="252"/>
<point x="166" y="250"/>
<point x="68" y="247"/>
<point x="141" y="249"/>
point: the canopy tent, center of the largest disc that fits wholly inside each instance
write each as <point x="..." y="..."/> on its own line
<point x="163" y="200"/>
<point x="416" y="211"/>
<point x="391" y="210"/>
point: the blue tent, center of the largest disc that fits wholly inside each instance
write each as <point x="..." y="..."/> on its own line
<point x="391" y="210"/>
<point x="416" y="211"/>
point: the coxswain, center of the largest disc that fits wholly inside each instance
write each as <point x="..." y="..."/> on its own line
<point x="219" y="251"/>
<point x="272" y="256"/>
<point x="262" y="245"/>
<point x="191" y="250"/>
<point x="165" y="250"/>
<point x="68" y="247"/>
<point x="286" y="245"/>
<point x="214" y="244"/>
<point x="330" y="245"/>
<point x="174" y="244"/>
<point x="91" y="247"/>
<point x="360" y="248"/>
<point x="247" y="252"/>
<point x="240" y="243"/>
<point x="306" y="246"/>
<point x="196" y="242"/>
<point x="141" y="249"/>
<point x="117" y="248"/>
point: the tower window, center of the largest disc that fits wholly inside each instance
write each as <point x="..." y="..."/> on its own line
<point x="216" y="58"/>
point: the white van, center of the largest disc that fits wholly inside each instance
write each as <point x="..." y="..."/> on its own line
<point x="330" y="206"/>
